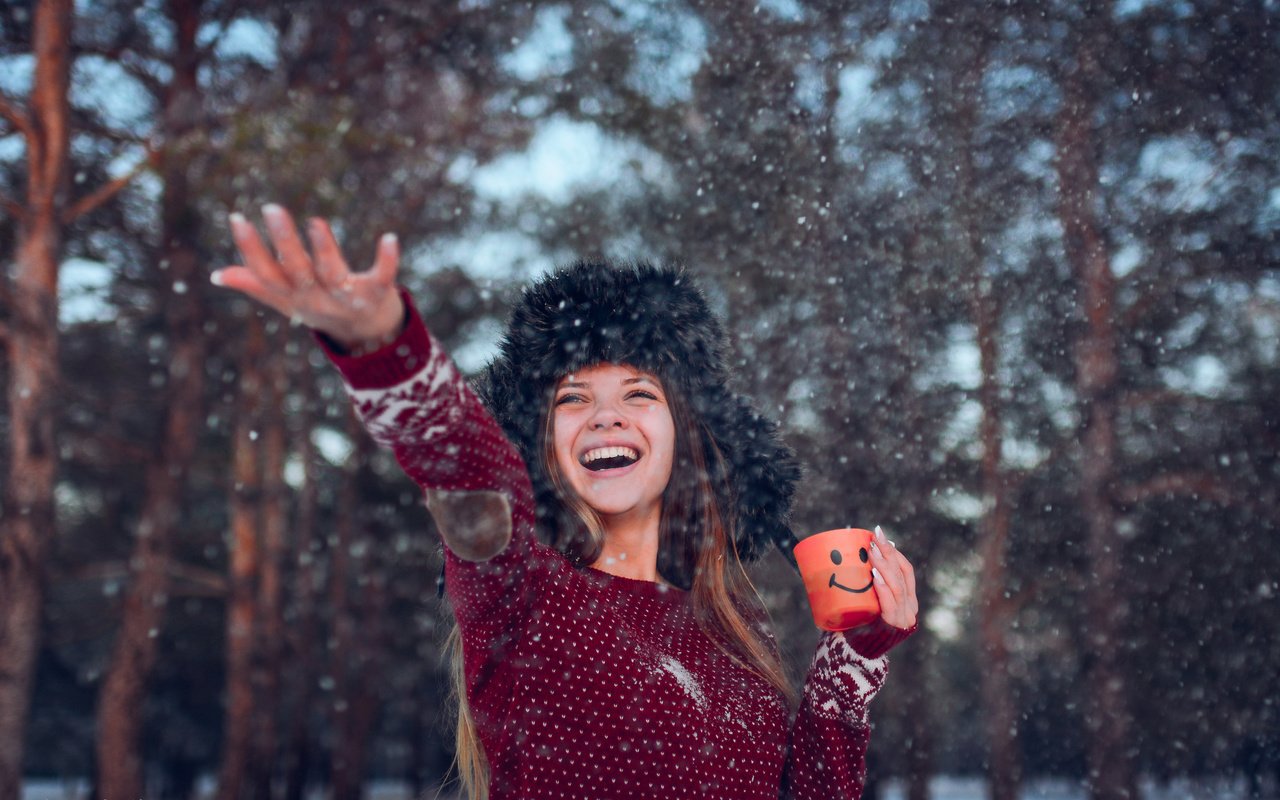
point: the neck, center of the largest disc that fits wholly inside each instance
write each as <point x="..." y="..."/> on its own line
<point x="631" y="545"/>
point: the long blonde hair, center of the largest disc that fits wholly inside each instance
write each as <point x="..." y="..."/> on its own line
<point x="697" y="551"/>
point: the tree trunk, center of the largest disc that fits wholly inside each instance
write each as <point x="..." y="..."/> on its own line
<point x="123" y="691"/>
<point x="270" y="633"/>
<point x="345" y="762"/>
<point x="1004" y="767"/>
<point x="917" y="709"/>
<point x="246" y="506"/>
<point x="304" y="621"/>
<point x="1108" y="724"/>
<point x="32" y="344"/>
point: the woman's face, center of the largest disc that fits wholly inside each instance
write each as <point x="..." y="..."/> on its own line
<point x="614" y="439"/>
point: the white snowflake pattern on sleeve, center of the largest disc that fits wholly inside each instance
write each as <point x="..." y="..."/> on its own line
<point x="842" y="683"/>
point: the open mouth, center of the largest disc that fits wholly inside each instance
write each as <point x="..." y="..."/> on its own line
<point x="603" y="458"/>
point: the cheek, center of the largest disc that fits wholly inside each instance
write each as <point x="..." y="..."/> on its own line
<point x="562" y="437"/>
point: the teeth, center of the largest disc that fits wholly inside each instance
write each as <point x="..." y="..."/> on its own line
<point x="609" y="452"/>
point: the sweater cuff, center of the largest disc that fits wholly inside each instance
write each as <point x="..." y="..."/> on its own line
<point x="391" y="364"/>
<point x="876" y="639"/>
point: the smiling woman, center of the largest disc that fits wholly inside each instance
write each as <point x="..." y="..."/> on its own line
<point x="597" y="494"/>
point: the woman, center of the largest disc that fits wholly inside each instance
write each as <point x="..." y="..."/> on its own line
<point x="595" y="510"/>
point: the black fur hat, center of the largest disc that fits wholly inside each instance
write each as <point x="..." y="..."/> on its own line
<point x="654" y="319"/>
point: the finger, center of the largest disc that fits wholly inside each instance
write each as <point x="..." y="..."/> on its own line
<point x="293" y="256"/>
<point x="257" y="258"/>
<point x="896" y="564"/>
<point x="245" y="281"/>
<point x="387" y="260"/>
<point x="884" y="593"/>
<point x="331" y="266"/>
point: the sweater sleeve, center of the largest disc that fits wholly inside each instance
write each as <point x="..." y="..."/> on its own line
<point x="411" y="398"/>
<point x="829" y="738"/>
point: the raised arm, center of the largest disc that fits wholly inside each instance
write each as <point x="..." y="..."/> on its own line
<point x="404" y="387"/>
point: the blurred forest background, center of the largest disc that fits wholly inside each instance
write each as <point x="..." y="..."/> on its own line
<point x="1007" y="271"/>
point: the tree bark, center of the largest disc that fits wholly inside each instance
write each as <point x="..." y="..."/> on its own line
<point x="304" y="617"/>
<point x="270" y="633"/>
<point x="1004" y="766"/>
<point x="123" y="691"/>
<point x="246" y="506"/>
<point x="32" y="342"/>
<point x="1108" y="722"/>
<point x="345" y="760"/>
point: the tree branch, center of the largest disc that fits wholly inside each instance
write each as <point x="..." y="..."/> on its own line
<point x="105" y="192"/>
<point x="1195" y="484"/>
<point x="16" y="118"/>
<point x="13" y="208"/>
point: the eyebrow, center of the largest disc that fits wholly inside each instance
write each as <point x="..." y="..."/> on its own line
<point x="627" y="382"/>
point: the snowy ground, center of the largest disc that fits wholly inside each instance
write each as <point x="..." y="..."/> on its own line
<point x="941" y="788"/>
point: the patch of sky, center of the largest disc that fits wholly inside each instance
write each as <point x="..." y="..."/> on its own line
<point x="295" y="472"/>
<point x="547" y="50"/>
<point x="810" y="86"/>
<point x="1126" y="258"/>
<point x="788" y="10"/>
<point x="105" y="87"/>
<point x="242" y="39"/>
<point x="480" y="347"/>
<point x="501" y="256"/>
<point x="881" y="48"/>
<point x="336" y="447"/>
<point x="908" y="11"/>
<point x="1129" y="8"/>
<point x="1268" y="219"/>
<point x="1012" y="91"/>
<point x="1204" y="375"/>
<point x="855" y="104"/>
<point x="1181" y="170"/>
<point x="803" y="416"/>
<point x="1262" y="317"/>
<point x="954" y="585"/>
<point x="12" y="147"/>
<point x="960" y="433"/>
<point x="961" y="360"/>
<point x="563" y="157"/>
<point x="670" y="46"/>
<point x="890" y="172"/>
<point x="16" y="74"/>
<point x="82" y="291"/>
<point x="1060" y="402"/>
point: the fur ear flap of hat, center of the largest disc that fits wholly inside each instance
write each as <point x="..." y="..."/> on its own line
<point x="653" y="319"/>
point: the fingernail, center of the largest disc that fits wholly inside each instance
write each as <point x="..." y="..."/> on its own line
<point x="875" y="575"/>
<point x="216" y="278"/>
<point x="388" y="239"/>
<point x="880" y="533"/>
<point x="236" y="218"/>
<point x="272" y="213"/>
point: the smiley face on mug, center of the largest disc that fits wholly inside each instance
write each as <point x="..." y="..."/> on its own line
<point x="857" y="571"/>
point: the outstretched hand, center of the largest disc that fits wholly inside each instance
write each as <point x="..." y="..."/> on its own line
<point x="895" y="583"/>
<point x="317" y="289"/>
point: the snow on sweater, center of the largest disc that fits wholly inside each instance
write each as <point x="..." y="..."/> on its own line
<point x="588" y="685"/>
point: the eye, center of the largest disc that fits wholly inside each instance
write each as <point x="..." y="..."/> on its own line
<point x="862" y="554"/>
<point x="569" y="398"/>
<point x="836" y="558"/>
<point x="643" y="393"/>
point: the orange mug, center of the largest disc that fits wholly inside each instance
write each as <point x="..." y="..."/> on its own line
<point x="836" y="568"/>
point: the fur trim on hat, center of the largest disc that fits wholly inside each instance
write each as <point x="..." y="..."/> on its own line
<point x="656" y="320"/>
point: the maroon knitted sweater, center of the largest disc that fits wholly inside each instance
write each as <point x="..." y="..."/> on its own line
<point x="587" y="685"/>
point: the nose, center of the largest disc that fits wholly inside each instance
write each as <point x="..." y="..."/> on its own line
<point x="607" y="416"/>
